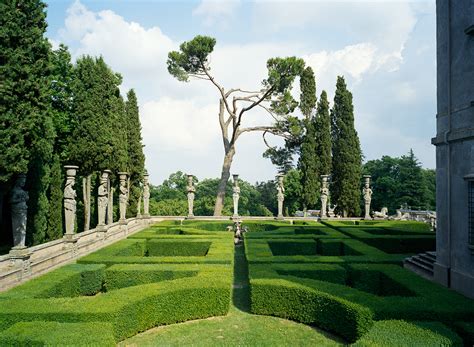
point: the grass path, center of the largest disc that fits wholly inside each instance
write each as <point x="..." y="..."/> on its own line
<point x="238" y="328"/>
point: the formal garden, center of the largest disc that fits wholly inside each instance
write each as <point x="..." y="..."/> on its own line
<point x="329" y="283"/>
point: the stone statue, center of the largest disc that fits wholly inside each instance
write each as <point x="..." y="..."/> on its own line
<point x="324" y="195"/>
<point x="280" y="196"/>
<point x="331" y="211"/>
<point x="383" y="214"/>
<point x="70" y="199"/>
<point x="367" y="193"/>
<point x="191" y="190"/>
<point x="103" y="197"/>
<point x="146" y="196"/>
<point x="236" y="195"/>
<point x="110" y="206"/>
<point x="139" y="206"/>
<point x="18" y="200"/>
<point x="123" y="195"/>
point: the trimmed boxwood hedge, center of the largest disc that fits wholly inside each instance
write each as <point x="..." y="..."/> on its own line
<point x="58" y="334"/>
<point x="127" y="275"/>
<point x="395" y="333"/>
<point x="307" y="305"/>
<point x="177" y="248"/>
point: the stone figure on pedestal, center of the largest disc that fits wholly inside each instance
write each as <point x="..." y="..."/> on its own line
<point x="367" y="193"/>
<point x="236" y="195"/>
<point x="19" y="208"/>
<point x="191" y="190"/>
<point x="324" y="195"/>
<point x="103" y="197"/>
<point x="70" y="200"/>
<point x="146" y="196"/>
<point x="280" y="196"/>
<point x="123" y="195"/>
<point x="110" y="206"/>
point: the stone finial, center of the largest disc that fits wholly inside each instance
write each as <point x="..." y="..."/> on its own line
<point x="367" y="193"/>
<point x="19" y="210"/>
<point x="324" y="195"/>
<point x="280" y="195"/>
<point x="236" y="195"/>
<point x="70" y="199"/>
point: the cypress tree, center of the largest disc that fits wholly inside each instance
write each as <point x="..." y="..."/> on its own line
<point x="323" y="135"/>
<point x="412" y="188"/>
<point x="136" y="158"/>
<point x="347" y="156"/>
<point x="26" y="134"/>
<point x="55" y="225"/>
<point x="308" y="161"/>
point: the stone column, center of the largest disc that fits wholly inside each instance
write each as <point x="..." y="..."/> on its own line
<point x="280" y="196"/>
<point x="367" y="193"/>
<point x="146" y="196"/>
<point x="19" y="209"/>
<point x="70" y="200"/>
<point x="110" y="206"/>
<point x="123" y="196"/>
<point x="324" y="196"/>
<point x="102" y="198"/>
<point x="236" y="195"/>
<point x="191" y="190"/>
<point x="139" y="206"/>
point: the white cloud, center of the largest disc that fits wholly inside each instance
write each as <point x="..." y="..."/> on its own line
<point x="216" y="12"/>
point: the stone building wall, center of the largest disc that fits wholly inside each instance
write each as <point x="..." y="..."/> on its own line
<point x="454" y="143"/>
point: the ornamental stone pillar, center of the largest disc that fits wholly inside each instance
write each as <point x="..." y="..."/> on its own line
<point x="191" y="190"/>
<point x="324" y="196"/>
<point x="367" y="193"/>
<point x="280" y="196"/>
<point x="123" y="196"/>
<point x="236" y="195"/>
<point x="70" y="200"/>
<point x="103" y="198"/>
<point x="146" y="196"/>
<point x="19" y="210"/>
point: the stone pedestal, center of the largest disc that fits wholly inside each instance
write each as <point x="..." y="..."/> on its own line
<point x="20" y="259"/>
<point x="70" y="200"/>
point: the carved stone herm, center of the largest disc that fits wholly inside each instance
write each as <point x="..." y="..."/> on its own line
<point x="367" y="193"/>
<point x="146" y="196"/>
<point x="324" y="195"/>
<point x="19" y="208"/>
<point x="70" y="200"/>
<point x="280" y="196"/>
<point x="123" y="195"/>
<point x="191" y="190"/>
<point x="236" y="195"/>
<point x="103" y="197"/>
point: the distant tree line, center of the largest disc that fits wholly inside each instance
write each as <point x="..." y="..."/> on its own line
<point x="56" y="113"/>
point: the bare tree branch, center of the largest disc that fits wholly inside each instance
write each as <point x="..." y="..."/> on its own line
<point x="221" y="89"/>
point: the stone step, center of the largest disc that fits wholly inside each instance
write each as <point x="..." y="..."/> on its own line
<point x="427" y="257"/>
<point x="419" y="259"/>
<point x="431" y="255"/>
<point x="419" y="268"/>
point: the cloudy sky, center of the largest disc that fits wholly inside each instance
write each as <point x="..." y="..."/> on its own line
<point x="386" y="51"/>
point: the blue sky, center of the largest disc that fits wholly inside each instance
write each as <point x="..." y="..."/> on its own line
<point x="386" y="51"/>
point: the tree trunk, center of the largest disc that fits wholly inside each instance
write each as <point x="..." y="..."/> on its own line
<point x="86" y="186"/>
<point x="229" y="156"/>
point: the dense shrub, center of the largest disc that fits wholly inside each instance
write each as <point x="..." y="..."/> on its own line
<point x="306" y="305"/>
<point x="177" y="248"/>
<point x="394" y="333"/>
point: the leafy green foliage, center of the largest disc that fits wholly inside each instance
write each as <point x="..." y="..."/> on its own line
<point x="55" y="218"/>
<point x="322" y="125"/>
<point x="347" y="156"/>
<point x="400" y="182"/>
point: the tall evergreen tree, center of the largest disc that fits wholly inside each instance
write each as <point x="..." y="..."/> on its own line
<point x="412" y="190"/>
<point x="308" y="161"/>
<point x="323" y="136"/>
<point x="347" y="156"/>
<point x="55" y="218"/>
<point x="27" y="133"/>
<point x="136" y="158"/>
